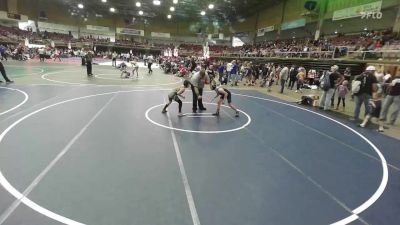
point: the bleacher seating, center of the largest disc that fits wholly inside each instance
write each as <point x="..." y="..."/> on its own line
<point x="351" y="46"/>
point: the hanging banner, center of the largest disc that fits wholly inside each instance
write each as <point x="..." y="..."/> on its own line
<point x="221" y="36"/>
<point x="129" y="31"/>
<point x="262" y="31"/>
<point x="357" y="11"/>
<point x="52" y="44"/>
<point x="241" y="34"/>
<point x="69" y="45"/>
<point x="160" y="35"/>
<point x="97" y="28"/>
<point x="26" y="42"/>
<point x="13" y="17"/>
<point x="293" y="24"/>
<point x="260" y="34"/>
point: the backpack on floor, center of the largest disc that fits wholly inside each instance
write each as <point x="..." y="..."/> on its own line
<point x="325" y="82"/>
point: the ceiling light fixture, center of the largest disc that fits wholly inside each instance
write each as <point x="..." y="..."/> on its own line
<point x="157" y="2"/>
<point x="175" y="1"/>
<point x="85" y="19"/>
<point x="112" y="9"/>
<point x="169" y="16"/>
<point x="203" y="13"/>
<point x="140" y="12"/>
<point x="211" y="6"/>
<point x="80" y="5"/>
<point x="171" y="8"/>
<point x="104" y="1"/>
<point x="138" y="4"/>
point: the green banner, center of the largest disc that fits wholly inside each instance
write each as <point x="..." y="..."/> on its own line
<point x="357" y="11"/>
<point x="293" y="24"/>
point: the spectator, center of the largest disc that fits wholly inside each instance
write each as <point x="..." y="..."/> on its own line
<point x="342" y="91"/>
<point x="300" y="79"/>
<point x="233" y="73"/>
<point x="347" y="74"/>
<point x="367" y="85"/>
<point x="284" y="74"/>
<point x="335" y="72"/>
<point x="89" y="59"/>
<point x="221" y="70"/>
<point x="393" y="97"/>
<point x="3" y="51"/>
<point x="3" y="73"/>
<point x="329" y="89"/>
<point x="311" y="76"/>
<point x="374" y="105"/>
<point x="292" y="77"/>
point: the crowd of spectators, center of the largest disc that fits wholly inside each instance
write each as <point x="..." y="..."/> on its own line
<point x="357" y="46"/>
<point x="335" y="85"/>
<point x="325" y="47"/>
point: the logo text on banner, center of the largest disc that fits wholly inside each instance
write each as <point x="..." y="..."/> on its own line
<point x="357" y="11"/>
<point x="262" y="31"/>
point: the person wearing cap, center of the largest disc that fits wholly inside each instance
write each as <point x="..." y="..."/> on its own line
<point x="335" y="73"/>
<point x="368" y="85"/>
<point x="335" y="79"/>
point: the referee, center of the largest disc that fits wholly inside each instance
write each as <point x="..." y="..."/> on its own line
<point x="198" y="80"/>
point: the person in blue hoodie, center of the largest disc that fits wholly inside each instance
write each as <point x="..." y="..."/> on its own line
<point x="3" y="52"/>
<point x="221" y="70"/>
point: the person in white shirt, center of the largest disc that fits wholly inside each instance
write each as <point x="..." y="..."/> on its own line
<point x="42" y="53"/>
<point x="149" y="63"/>
<point x="284" y="75"/>
<point x="114" y="59"/>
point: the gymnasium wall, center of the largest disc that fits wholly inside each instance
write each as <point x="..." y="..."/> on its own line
<point x="358" y="25"/>
<point x="56" y="14"/>
<point x="294" y="8"/>
<point x="271" y="16"/>
<point x="3" y="5"/>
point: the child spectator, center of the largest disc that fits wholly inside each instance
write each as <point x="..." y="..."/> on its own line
<point x="342" y="91"/>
